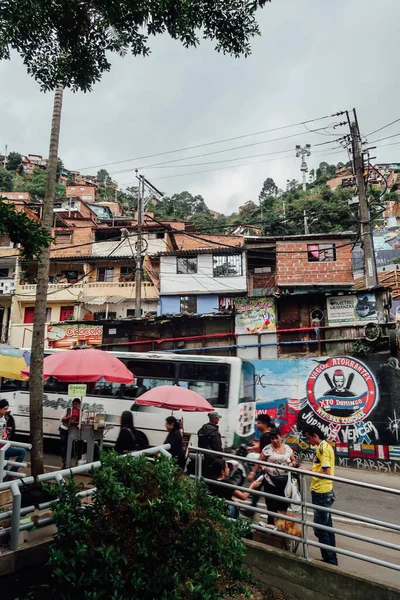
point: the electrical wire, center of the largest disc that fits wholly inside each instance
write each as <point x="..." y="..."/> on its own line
<point x="175" y="160"/>
<point x="384" y="127"/>
<point x="385" y="138"/>
<point x="339" y="113"/>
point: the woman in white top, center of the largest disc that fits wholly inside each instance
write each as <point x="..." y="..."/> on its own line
<point x="275" y="479"/>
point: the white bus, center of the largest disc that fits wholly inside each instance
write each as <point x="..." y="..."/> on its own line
<point x="226" y="382"/>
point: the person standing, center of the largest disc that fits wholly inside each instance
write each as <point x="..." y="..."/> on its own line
<point x="209" y="438"/>
<point x="71" y="417"/>
<point x="6" y="433"/>
<point x="265" y="426"/>
<point x="174" y="437"/>
<point x="126" y="441"/>
<point x="322" y="493"/>
<point x="208" y="435"/>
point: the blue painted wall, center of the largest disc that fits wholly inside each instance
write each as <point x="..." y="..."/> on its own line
<point x="171" y="304"/>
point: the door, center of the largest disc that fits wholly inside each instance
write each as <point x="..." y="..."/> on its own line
<point x="28" y="314"/>
<point x="66" y="312"/>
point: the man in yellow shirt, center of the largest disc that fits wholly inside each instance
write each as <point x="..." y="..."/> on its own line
<point x="322" y="493"/>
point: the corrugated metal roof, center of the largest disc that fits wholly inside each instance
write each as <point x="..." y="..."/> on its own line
<point x="99" y="300"/>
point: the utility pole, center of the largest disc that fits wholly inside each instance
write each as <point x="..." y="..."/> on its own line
<point x="303" y="153"/>
<point x="138" y="272"/>
<point x="371" y="277"/>
<point x="306" y="227"/>
<point x="5" y="156"/>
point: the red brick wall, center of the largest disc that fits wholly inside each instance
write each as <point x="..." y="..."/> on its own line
<point x="293" y="268"/>
<point x="80" y="235"/>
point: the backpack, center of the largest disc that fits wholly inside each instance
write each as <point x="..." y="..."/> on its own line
<point x="142" y="441"/>
<point x="202" y="436"/>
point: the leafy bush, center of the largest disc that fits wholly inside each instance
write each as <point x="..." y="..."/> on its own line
<point x="150" y="533"/>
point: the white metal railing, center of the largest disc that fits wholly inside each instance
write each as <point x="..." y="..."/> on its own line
<point x="4" y="463"/>
<point x="302" y="520"/>
<point x="15" y="488"/>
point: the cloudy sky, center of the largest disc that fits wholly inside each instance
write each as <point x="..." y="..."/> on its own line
<point x="314" y="58"/>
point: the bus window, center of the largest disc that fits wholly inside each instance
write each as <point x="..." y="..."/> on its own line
<point x="153" y="369"/>
<point x="13" y="385"/>
<point x="247" y="383"/>
<point x="215" y="393"/>
<point x="106" y="389"/>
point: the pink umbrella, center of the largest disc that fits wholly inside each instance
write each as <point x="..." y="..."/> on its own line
<point x="86" y="365"/>
<point x="174" y="397"/>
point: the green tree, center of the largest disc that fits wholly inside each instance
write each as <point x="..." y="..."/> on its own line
<point x="6" y="180"/>
<point x="145" y="518"/>
<point x="203" y="222"/>
<point x="14" y="161"/>
<point x="22" y="230"/>
<point x="67" y="45"/>
<point x="324" y="172"/>
<point x="181" y="206"/>
<point x="269" y="188"/>
<point x="103" y="177"/>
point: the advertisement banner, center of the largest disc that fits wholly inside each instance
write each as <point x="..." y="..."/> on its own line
<point x="351" y="309"/>
<point x="63" y="337"/>
<point x="255" y="315"/>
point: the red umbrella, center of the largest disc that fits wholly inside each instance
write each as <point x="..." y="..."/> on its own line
<point x="82" y="366"/>
<point x="174" y="397"/>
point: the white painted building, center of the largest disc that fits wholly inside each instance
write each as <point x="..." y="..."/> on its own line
<point x="194" y="281"/>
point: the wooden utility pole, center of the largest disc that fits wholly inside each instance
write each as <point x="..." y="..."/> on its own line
<point x="371" y="278"/>
<point x="138" y="272"/>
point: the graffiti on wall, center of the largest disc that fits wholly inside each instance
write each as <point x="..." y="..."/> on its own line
<point x="355" y="403"/>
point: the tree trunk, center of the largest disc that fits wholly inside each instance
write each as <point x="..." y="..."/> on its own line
<point x="36" y="367"/>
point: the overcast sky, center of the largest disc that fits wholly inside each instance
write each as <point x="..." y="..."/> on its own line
<point x="314" y="58"/>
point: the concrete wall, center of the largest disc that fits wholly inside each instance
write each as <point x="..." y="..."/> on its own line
<point x="304" y="580"/>
<point x="201" y="282"/>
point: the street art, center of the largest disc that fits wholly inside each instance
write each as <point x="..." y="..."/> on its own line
<point x="356" y="403"/>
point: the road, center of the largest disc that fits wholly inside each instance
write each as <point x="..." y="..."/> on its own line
<point x="353" y="499"/>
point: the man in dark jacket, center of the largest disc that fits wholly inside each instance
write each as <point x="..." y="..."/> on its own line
<point x="209" y="436"/>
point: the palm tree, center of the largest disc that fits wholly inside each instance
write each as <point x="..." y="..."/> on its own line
<point x="36" y="371"/>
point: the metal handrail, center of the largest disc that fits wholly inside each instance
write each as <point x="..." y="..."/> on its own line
<point x="304" y="505"/>
<point x="4" y="446"/>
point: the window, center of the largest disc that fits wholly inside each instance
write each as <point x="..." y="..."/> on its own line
<point x="321" y="252"/>
<point x="105" y="274"/>
<point x="127" y="274"/>
<point x="99" y="316"/>
<point x="4" y="273"/>
<point x="186" y="266"/>
<point x="66" y="312"/>
<point x="189" y="304"/>
<point x="227" y="266"/>
<point x="29" y="314"/>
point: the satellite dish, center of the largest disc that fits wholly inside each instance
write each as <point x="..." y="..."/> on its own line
<point x="317" y="315"/>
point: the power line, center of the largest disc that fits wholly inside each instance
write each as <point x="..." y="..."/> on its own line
<point x="339" y="113"/>
<point x="225" y="150"/>
<point x="384" y="127"/>
<point x="385" y="138"/>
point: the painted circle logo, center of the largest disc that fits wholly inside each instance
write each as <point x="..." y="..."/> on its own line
<point x="342" y="390"/>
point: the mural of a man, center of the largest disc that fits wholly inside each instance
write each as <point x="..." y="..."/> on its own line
<point x="339" y="387"/>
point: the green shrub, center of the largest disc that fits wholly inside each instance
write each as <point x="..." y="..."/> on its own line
<point x="151" y="533"/>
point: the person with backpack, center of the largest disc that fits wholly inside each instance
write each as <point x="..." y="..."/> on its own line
<point x="129" y="438"/>
<point x="208" y="435"/>
<point x="210" y="438"/>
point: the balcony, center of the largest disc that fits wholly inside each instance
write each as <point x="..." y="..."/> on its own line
<point x="67" y="292"/>
<point x="123" y="288"/>
<point x="58" y="292"/>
